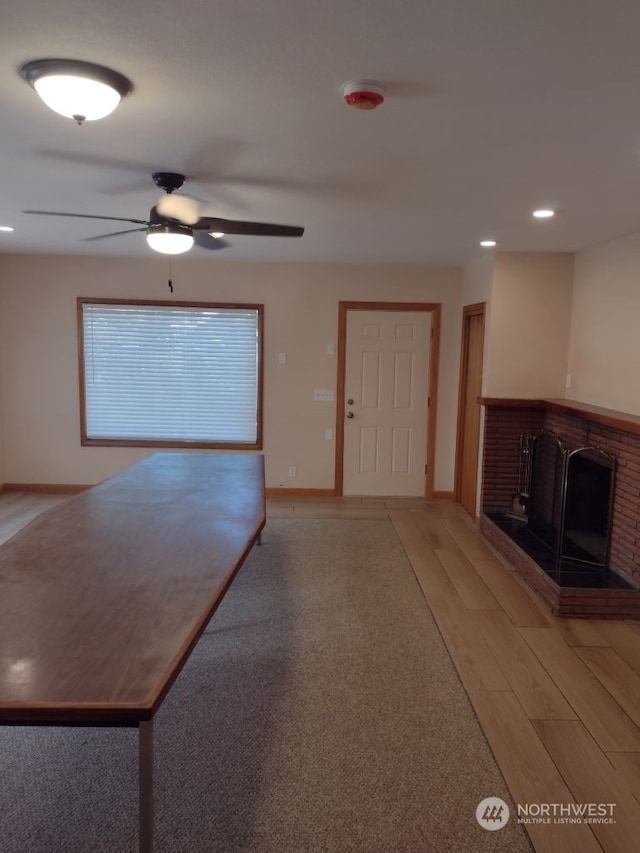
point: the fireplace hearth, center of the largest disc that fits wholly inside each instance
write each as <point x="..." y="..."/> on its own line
<point x="563" y="572"/>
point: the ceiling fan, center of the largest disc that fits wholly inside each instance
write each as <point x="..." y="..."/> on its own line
<point x="175" y="224"/>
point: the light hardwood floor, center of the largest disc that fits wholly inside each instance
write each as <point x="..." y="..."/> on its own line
<point x="558" y="699"/>
<point x="17" y="509"/>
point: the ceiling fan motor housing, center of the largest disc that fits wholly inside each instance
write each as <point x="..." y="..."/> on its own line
<point x="156" y="220"/>
<point x="168" y="181"/>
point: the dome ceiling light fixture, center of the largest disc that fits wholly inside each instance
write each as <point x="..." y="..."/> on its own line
<point x="79" y="90"/>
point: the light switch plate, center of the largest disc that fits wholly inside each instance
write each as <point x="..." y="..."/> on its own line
<point x="324" y="395"/>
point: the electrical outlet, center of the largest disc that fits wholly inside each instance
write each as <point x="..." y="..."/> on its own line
<point x="292" y="471"/>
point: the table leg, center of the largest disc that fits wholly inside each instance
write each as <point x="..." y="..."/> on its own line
<point x="145" y="769"/>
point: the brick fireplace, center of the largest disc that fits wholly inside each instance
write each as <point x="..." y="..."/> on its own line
<point x="577" y="425"/>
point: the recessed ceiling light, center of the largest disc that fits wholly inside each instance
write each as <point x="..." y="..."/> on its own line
<point x="488" y="244"/>
<point x="7" y="228"/>
<point x="79" y="90"/>
<point x="544" y="213"/>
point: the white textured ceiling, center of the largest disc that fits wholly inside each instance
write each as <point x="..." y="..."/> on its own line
<point x="493" y="107"/>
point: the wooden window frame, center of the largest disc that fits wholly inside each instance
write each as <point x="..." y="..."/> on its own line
<point x="199" y="445"/>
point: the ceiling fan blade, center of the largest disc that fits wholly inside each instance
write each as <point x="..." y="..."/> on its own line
<point x="184" y="208"/>
<point x="206" y="241"/>
<point x="256" y="229"/>
<point x="88" y="216"/>
<point x="114" y="234"/>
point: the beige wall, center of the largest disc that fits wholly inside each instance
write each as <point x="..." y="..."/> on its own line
<point x="604" y="349"/>
<point x="478" y="279"/>
<point x="528" y="325"/>
<point x="38" y="354"/>
<point x="477" y="287"/>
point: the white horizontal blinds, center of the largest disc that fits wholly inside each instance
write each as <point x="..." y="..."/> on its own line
<point x="171" y="373"/>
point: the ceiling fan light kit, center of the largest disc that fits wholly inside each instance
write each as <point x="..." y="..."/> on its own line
<point x="82" y="91"/>
<point x="170" y="239"/>
<point x="363" y="95"/>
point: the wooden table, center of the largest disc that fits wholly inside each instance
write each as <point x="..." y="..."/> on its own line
<point x="103" y="598"/>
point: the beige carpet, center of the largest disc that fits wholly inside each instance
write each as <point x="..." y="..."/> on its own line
<point x="320" y="712"/>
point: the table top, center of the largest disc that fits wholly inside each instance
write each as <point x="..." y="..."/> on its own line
<point x="103" y="598"/>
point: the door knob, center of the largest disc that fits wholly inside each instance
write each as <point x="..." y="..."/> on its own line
<point x="349" y="414"/>
<point x="349" y="402"/>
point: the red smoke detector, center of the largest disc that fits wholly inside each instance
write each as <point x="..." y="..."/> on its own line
<point x="364" y="95"/>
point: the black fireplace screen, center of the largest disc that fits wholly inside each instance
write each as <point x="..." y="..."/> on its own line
<point x="571" y="500"/>
<point x="545" y="490"/>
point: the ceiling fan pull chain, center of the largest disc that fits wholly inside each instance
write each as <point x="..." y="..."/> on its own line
<point x="170" y="277"/>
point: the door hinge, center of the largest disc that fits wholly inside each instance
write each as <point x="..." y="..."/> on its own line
<point x="425" y="467"/>
<point x="428" y="402"/>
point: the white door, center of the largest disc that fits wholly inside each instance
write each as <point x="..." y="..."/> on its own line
<point x="386" y="396"/>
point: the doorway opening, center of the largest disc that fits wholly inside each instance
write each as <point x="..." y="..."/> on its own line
<point x="469" y="415"/>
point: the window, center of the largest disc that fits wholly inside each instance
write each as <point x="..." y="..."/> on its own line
<point x="170" y="374"/>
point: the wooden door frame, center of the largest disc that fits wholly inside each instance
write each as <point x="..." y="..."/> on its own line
<point x="435" y="309"/>
<point x="477" y="309"/>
